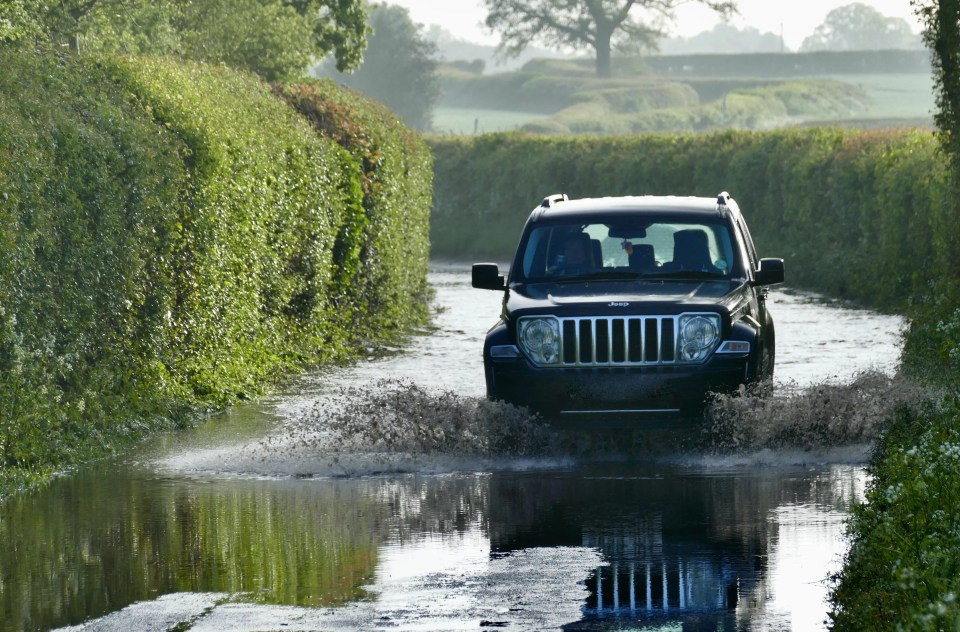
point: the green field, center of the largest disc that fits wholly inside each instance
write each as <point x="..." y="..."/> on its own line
<point x="637" y="102"/>
<point x="477" y="120"/>
<point x="894" y="95"/>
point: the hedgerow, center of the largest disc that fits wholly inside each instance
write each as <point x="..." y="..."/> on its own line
<point x="253" y="248"/>
<point x="90" y="190"/>
<point x="760" y="107"/>
<point x="902" y="571"/>
<point x="385" y="272"/>
<point x="176" y="238"/>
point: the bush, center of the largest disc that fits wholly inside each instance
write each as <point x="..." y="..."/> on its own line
<point x="385" y="270"/>
<point x="90" y="191"/>
<point x="253" y="254"/>
<point x="903" y="568"/>
<point x="175" y="238"/>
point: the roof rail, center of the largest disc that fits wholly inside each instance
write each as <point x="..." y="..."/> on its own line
<point x="550" y="200"/>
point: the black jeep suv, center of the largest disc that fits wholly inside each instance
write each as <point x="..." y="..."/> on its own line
<point x="633" y="307"/>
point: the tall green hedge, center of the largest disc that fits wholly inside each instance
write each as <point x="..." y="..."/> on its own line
<point x="389" y="248"/>
<point x="90" y="191"/>
<point x="856" y="215"/>
<point x="254" y="244"/>
<point x="175" y="237"/>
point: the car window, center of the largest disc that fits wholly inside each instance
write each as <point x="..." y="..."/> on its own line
<point x="627" y="246"/>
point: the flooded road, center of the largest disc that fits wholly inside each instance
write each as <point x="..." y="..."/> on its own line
<point x="389" y="496"/>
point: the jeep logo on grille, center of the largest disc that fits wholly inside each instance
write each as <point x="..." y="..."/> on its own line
<point x="619" y="304"/>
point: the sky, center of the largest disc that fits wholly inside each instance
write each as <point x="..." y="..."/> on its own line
<point x="464" y="18"/>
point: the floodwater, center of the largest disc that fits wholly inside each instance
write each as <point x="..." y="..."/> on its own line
<point x="389" y="496"/>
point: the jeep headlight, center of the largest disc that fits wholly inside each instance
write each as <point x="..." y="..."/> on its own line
<point x="699" y="335"/>
<point x="540" y="339"/>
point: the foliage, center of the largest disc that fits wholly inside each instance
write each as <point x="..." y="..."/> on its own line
<point x="724" y="39"/>
<point x="233" y="32"/>
<point x="255" y="256"/>
<point x="339" y="26"/>
<point x="934" y="335"/>
<point x="856" y="215"/>
<point x="634" y="101"/>
<point x="600" y="25"/>
<point x="903" y="568"/>
<point x="399" y="67"/>
<point x="941" y="19"/>
<point x="383" y="278"/>
<point x="858" y="26"/>
<point x="174" y="240"/>
<point x="277" y="39"/>
<point x="549" y="86"/>
<point x="17" y="20"/>
<point x="88" y="192"/>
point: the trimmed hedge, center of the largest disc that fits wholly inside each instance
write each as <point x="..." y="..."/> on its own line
<point x="90" y="191"/>
<point x="385" y="267"/>
<point x="856" y="215"/>
<point x="176" y="238"/>
<point x="253" y="257"/>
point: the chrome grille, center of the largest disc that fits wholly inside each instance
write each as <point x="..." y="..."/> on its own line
<point x="618" y="341"/>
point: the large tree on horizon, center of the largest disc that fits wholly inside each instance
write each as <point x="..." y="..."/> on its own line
<point x="859" y="26"/>
<point x="585" y="24"/>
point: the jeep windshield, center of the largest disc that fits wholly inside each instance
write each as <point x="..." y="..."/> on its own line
<point x="627" y="247"/>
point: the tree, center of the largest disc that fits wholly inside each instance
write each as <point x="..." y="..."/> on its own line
<point x="723" y="38"/>
<point x="399" y="67"/>
<point x="269" y="38"/>
<point x="339" y="26"/>
<point x="585" y="24"/>
<point x="17" y="20"/>
<point x="860" y="27"/>
<point x="941" y="34"/>
<point x="278" y="39"/>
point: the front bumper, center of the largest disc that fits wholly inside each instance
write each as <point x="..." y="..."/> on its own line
<point x="656" y="392"/>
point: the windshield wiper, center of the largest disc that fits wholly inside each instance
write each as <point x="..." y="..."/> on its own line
<point x="682" y="275"/>
<point x="611" y="275"/>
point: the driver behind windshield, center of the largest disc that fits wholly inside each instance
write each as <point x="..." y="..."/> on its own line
<point x="576" y="257"/>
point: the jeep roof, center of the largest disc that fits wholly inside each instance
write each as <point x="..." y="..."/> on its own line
<point x="556" y="206"/>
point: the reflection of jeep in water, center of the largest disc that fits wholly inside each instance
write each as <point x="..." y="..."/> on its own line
<point x="632" y="306"/>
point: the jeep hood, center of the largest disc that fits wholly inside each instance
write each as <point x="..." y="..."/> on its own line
<point x="611" y="297"/>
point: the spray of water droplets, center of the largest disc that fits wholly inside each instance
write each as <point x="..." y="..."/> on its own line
<point x="397" y="426"/>
<point x="820" y="416"/>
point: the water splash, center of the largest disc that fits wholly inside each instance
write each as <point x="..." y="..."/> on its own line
<point x="822" y="416"/>
<point x="401" y="416"/>
<point x="398" y="426"/>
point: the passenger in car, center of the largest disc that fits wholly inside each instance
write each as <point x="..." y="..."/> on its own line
<point x="690" y="252"/>
<point x="640" y="258"/>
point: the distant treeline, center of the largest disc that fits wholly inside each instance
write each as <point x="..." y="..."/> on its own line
<point x="762" y="65"/>
<point x="176" y="237"/>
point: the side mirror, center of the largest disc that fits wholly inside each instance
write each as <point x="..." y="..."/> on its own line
<point x="770" y="272"/>
<point x="486" y="276"/>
